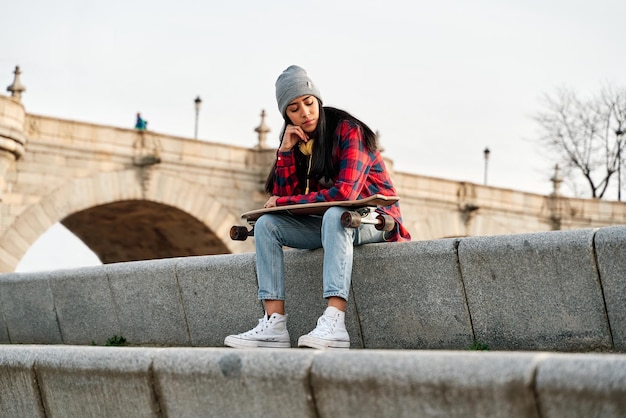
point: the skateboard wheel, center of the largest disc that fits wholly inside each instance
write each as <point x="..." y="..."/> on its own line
<point x="385" y="223"/>
<point x="238" y="233"/>
<point x="350" y="219"/>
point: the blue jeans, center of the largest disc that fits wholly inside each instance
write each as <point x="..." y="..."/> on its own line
<point x="272" y="232"/>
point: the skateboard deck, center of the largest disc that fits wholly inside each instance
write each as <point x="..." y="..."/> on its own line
<point x="355" y="214"/>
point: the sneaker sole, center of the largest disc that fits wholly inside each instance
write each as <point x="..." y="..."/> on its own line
<point x="239" y="343"/>
<point x="305" y="342"/>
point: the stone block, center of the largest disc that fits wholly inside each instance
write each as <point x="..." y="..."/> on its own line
<point x="410" y="295"/>
<point x="103" y="186"/>
<point x="8" y="260"/>
<point x="148" y="302"/>
<point x="219" y="295"/>
<point x="12" y="113"/>
<point x="127" y="185"/>
<point x="213" y="212"/>
<point x="40" y="221"/>
<point x="234" y="383"/>
<point x="51" y="209"/>
<point x="535" y="291"/>
<point x="20" y="239"/>
<point x="59" y="202"/>
<point x="304" y="293"/>
<point x="4" y="334"/>
<point x="36" y="178"/>
<point x="82" y="381"/>
<point x="610" y="244"/>
<point x="97" y="381"/>
<point x="581" y="385"/>
<point x="19" y="393"/>
<point x="84" y="305"/>
<point x="28" y="309"/>
<point x="391" y="383"/>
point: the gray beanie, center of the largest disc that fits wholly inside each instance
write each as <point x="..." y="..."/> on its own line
<point x="293" y="83"/>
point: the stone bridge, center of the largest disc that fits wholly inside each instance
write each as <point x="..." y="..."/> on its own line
<point x="550" y="305"/>
<point x="133" y="195"/>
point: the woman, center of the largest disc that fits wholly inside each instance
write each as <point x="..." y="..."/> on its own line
<point x="325" y="154"/>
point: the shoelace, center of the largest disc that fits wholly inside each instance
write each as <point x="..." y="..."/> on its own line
<point x="325" y="325"/>
<point x="262" y="326"/>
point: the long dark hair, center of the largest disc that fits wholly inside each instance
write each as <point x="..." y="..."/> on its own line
<point x="325" y="145"/>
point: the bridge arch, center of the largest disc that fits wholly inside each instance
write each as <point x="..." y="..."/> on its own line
<point x="127" y="215"/>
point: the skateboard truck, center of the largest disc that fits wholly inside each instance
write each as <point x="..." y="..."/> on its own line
<point x="354" y="219"/>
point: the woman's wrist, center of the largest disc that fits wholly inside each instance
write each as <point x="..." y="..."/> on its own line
<point x="286" y="146"/>
<point x="285" y="158"/>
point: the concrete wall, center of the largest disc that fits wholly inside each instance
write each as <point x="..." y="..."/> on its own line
<point x="54" y="381"/>
<point x="555" y="291"/>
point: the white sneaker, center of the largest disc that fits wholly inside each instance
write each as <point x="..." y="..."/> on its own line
<point x="270" y="332"/>
<point x="329" y="333"/>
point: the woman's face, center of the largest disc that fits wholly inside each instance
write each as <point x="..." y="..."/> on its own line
<point x="304" y="112"/>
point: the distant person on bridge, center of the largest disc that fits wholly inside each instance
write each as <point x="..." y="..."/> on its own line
<point x="325" y="154"/>
<point x="141" y="124"/>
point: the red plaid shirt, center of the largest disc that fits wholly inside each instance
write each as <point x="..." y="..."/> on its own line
<point x="362" y="173"/>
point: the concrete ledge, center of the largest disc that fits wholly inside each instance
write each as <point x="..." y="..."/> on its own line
<point x="594" y="384"/>
<point x="102" y="381"/>
<point x="412" y="297"/>
<point x="535" y="291"/>
<point x="610" y="244"/>
<point x="563" y="291"/>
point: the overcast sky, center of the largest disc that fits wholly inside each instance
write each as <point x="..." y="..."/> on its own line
<point x="440" y="80"/>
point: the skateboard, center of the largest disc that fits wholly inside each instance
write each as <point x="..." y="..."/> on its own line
<point x="356" y="213"/>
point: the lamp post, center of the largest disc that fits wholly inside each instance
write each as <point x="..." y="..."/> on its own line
<point x="486" y="154"/>
<point x="619" y="134"/>
<point x="197" y="102"/>
<point x="555" y="200"/>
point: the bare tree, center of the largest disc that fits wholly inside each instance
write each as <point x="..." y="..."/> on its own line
<point x="587" y="136"/>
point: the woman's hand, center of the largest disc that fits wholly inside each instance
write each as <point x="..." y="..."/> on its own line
<point x="271" y="202"/>
<point x="293" y="135"/>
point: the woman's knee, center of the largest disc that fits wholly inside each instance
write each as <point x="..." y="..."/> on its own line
<point x="265" y="224"/>
<point x="331" y="222"/>
<point x="265" y="230"/>
<point x="333" y="214"/>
